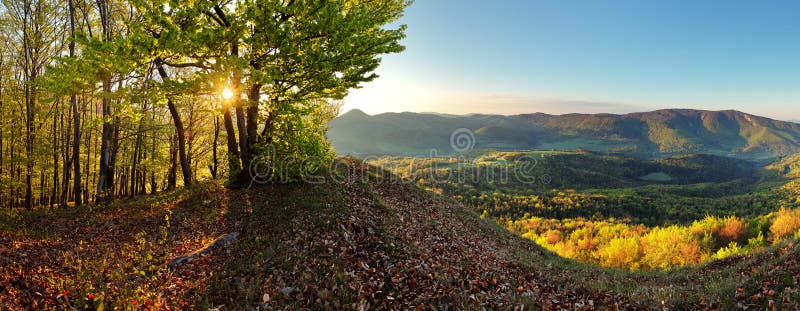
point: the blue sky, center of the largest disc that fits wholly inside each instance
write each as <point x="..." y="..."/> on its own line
<point x="562" y="56"/>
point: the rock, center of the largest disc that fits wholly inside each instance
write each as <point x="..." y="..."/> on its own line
<point x="224" y="240"/>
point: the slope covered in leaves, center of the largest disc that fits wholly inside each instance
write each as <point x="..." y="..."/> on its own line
<point x="357" y="241"/>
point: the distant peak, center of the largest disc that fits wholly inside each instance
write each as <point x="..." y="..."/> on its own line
<point x="355" y="113"/>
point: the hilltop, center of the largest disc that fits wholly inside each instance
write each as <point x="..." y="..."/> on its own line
<point x="361" y="243"/>
<point x="660" y="133"/>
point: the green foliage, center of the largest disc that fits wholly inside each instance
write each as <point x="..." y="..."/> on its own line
<point x="299" y="149"/>
<point x="589" y="184"/>
<point x="730" y="250"/>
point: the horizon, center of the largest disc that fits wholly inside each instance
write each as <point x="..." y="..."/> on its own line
<point x="343" y="112"/>
<point x="619" y="57"/>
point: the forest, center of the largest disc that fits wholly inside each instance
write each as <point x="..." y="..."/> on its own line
<point x="605" y="209"/>
<point x="105" y="99"/>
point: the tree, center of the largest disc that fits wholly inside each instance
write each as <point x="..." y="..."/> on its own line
<point x="76" y="118"/>
<point x="733" y="229"/>
<point x="621" y="252"/>
<point x="108" y="141"/>
<point x="36" y="32"/>
<point x="288" y="58"/>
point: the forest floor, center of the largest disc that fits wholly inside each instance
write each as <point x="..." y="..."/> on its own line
<point x="362" y="243"/>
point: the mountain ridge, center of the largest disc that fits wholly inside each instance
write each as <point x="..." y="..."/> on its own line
<point x="654" y="133"/>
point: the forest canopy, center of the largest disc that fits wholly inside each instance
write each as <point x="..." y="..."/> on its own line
<point x="104" y="99"/>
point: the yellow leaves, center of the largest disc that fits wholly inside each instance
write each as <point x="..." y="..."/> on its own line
<point x="786" y="223"/>
<point x="621" y="253"/>
<point x="616" y="243"/>
<point x="733" y="229"/>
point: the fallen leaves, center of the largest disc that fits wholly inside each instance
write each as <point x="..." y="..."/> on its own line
<point x="389" y="247"/>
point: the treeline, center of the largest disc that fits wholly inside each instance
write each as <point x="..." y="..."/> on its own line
<point x="104" y="99"/>
<point x="518" y="171"/>
<point x="640" y="206"/>
<point x="512" y="185"/>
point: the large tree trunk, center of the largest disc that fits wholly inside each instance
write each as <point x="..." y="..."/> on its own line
<point x="249" y="139"/>
<point x="234" y="157"/>
<point x="105" y="184"/>
<point x="176" y="119"/>
<point x="254" y="98"/>
<point x="234" y="160"/>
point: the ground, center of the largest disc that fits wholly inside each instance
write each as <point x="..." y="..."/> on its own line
<point x="355" y="241"/>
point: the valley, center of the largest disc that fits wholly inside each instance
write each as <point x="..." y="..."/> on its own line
<point x="616" y="211"/>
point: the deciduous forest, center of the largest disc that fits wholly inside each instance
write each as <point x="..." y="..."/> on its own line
<point x="111" y="99"/>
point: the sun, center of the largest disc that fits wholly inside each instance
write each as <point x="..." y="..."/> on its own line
<point x="227" y="93"/>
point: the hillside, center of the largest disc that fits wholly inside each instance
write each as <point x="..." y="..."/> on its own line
<point x="364" y="243"/>
<point x="661" y="132"/>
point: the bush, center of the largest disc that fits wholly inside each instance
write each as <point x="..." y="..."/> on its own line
<point x="621" y="253"/>
<point x="733" y="229"/>
<point x="786" y="223"/>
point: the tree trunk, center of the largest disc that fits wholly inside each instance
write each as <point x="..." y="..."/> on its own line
<point x="234" y="160"/>
<point x="76" y="118"/>
<point x="215" y="161"/>
<point x="105" y="184"/>
<point x="244" y="151"/>
<point x="30" y="106"/>
<point x="252" y="118"/>
<point x="153" y="184"/>
<point x="54" y="191"/>
<point x="173" y="159"/>
<point x="176" y="119"/>
<point x="134" y="163"/>
<point x="66" y="158"/>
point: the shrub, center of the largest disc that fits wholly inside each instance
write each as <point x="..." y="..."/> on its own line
<point x="786" y="223"/>
<point x="621" y="253"/>
<point x="553" y="236"/>
<point x="731" y="249"/>
<point x="733" y="229"/>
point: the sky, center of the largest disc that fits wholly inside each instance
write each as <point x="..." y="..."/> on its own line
<point x="565" y="56"/>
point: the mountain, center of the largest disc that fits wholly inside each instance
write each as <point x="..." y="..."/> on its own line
<point x="659" y="133"/>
